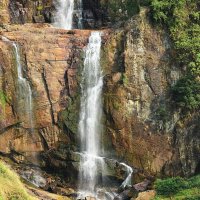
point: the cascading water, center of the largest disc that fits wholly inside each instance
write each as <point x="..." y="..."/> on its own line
<point x="66" y="10"/>
<point x="24" y="90"/>
<point x="25" y="111"/>
<point x="64" y="14"/>
<point x="79" y="11"/>
<point x="127" y="181"/>
<point x="90" y="115"/>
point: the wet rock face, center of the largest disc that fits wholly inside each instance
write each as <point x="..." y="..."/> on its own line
<point x="188" y="143"/>
<point x="27" y="11"/>
<point x="61" y="159"/>
<point x="141" y="123"/>
<point x="96" y="13"/>
<point x="50" y="59"/>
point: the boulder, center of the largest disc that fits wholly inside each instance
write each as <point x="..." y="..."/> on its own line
<point x="147" y="195"/>
<point x="140" y="187"/>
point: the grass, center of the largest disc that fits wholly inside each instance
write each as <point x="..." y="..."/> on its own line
<point x="190" y="190"/>
<point x="11" y="187"/>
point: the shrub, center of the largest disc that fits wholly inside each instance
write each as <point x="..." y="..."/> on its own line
<point x="193" y="198"/>
<point x="194" y="181"/>
<point x="121" y="9"/>
<point x="186" y="93"/>
<point x="170" y="186"/>
<point x="181" y="17"/>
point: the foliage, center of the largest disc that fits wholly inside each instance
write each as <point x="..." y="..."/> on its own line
<point x="186" y="92"/>
<point x="40" y="8"/>
<point x="194" y="181"/>
<point x="178" y="188"/>
<point x="170" y="186"/>
<point x="144" y="2"/>
<point x="182" y="18"/>
<point x="2" y="104"/>
<point x="10" y="186"/>
<point x="162" y="113"/>
<point x="121" y="9"/>
<point x="124" y="79"/>
<point x="2" y="98"/>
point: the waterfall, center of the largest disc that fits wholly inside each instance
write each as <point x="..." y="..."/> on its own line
<point x="24" y="93"/>
<point x="127" y="181"/>
<point x="80" y="14"/>
<point x="64" y="14"/>
<point x="90" y="114"/>
<point x="66" y="10"/>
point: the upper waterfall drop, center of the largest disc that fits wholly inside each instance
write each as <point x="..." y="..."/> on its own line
<point x="68" y="11"/>
<point x="64" y="14"/>
<point x="90" y="114"/>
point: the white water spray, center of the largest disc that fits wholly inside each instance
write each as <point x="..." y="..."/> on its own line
<point x="80" y="13"/>
<point x="90" y="114"/>
<point x="64" y="14"/>
<point x="127" y="181"/>
<point x="24" y="89"/>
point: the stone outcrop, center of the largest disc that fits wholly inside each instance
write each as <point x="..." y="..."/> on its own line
<point x="50" y="58"/>
<point x="148" y="195"/>
<point x="96" y="13"/>
<point x="141" y="122"/>
<point x="62" y="159"/>
<point x="4" y="14"/>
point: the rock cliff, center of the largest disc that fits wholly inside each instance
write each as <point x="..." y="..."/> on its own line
<point x="50" y="60"/>
<point x="143" y="124"/>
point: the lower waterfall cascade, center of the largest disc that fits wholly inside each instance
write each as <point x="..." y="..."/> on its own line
<point x="90" y="113"/>
<point x="90" y="127"/>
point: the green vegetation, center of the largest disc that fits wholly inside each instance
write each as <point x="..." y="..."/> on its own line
<point x="182" y="19"/>
<point x="186" y="93"/>
<point x="124" y="79"/>
<point x="40" y="8"/>
<point x="2" y="104"/>
<point x="2" y="99"/>
<point x="162" y="113"/>
<point x="178" y="188"/>
<point x="10" y="186"/>
<point x="121" y="9"/>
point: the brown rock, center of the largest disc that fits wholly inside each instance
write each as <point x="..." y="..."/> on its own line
<point x="46" y="56"/>
<point x="148" y="195"/>
<point x="142" y="186"/>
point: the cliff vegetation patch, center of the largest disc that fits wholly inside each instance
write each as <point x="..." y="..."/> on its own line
<point x="182" y="19"/>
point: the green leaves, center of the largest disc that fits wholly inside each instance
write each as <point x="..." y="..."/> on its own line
<point x="122" y="9"/>
<point x="178" y="188"/>
<point x="2" y="104"/>
<point x="170" y="186"/>
<point x="182" y="19"/>
<point x="186" y="93"/>
<point x="160" y="10"/>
